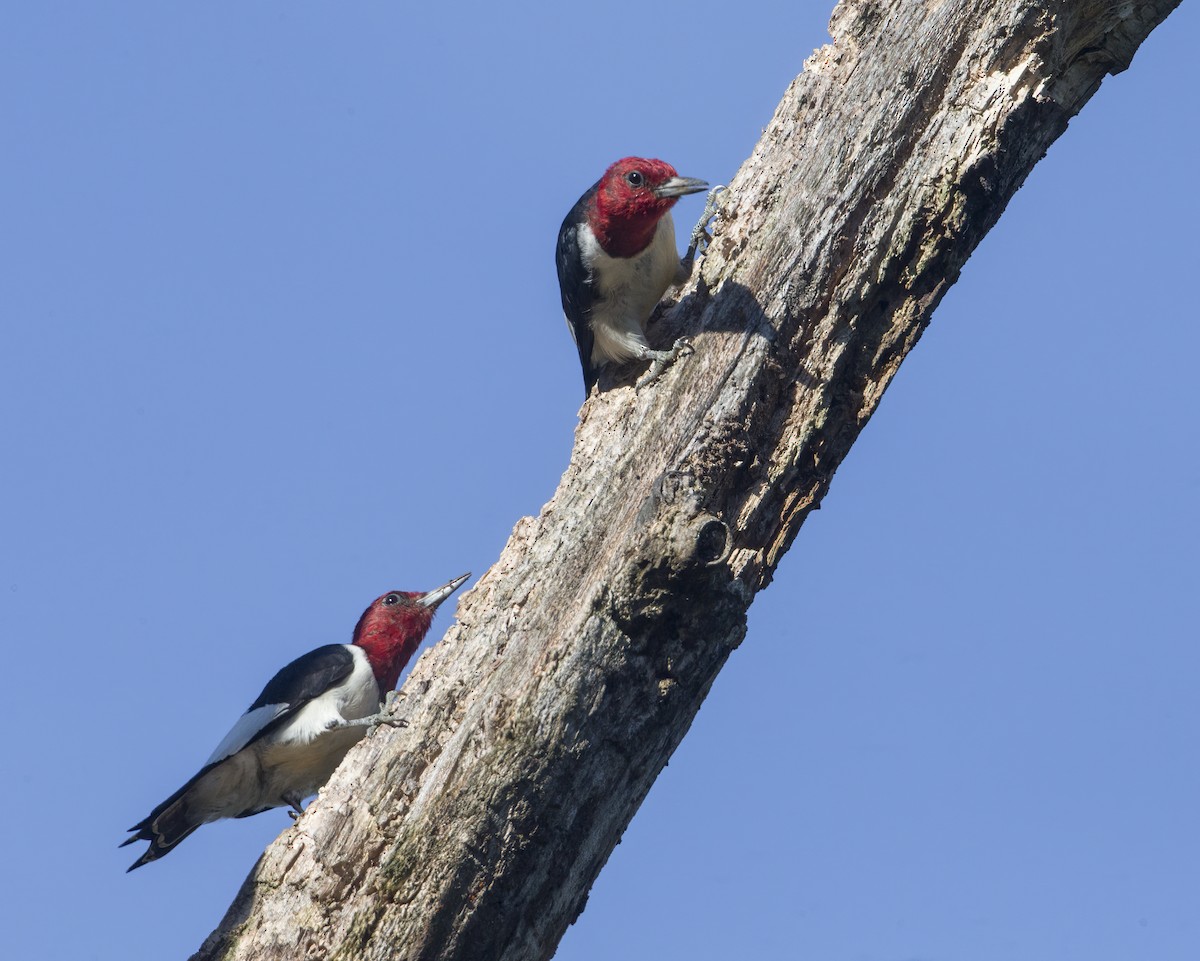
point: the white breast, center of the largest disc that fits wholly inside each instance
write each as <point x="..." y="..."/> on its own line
<point x="627" y="291"/>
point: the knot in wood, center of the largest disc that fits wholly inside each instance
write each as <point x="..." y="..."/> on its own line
<point x="704" y="541"/>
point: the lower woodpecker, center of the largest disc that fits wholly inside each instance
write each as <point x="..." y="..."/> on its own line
<point x="299" y="728"/>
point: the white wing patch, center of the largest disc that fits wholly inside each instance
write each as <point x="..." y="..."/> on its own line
<point x="242" y="733"/>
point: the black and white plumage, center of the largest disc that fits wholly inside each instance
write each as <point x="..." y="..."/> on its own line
<point x="616" y="257"/>
<point x="294" y="735"/>
<point x="575" y="284"/>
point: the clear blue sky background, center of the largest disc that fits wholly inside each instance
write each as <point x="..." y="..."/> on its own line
<point x="281" y="332"/>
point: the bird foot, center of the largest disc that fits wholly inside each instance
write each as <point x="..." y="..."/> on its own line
<point x="294" y="804"/>
<point x="380" y="717"/>
<point x="370" y="723"/>
<point x="384" y="720"/>
<point x="660" y="360"/>
<point x="701" y="238"/>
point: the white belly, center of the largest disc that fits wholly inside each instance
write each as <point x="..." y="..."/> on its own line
<point x="627" y="291"/>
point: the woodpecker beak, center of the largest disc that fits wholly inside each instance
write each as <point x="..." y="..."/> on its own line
<point x="435" y="597"/>
<point x="678" y="186"/>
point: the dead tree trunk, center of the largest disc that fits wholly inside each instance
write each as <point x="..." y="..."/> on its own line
<point x="540" y="721"/>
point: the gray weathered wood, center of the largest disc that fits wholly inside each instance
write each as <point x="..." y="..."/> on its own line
<point x="540" y="721"/>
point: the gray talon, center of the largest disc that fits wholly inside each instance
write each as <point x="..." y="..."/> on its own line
<point x="701" y="238"/>
<point x="371" y="723"/>
<point x="661" y="360"/>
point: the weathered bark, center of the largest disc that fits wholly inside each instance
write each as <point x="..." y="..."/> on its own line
<point x="540" y="721"/>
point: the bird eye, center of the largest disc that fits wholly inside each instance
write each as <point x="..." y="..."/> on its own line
<point x="392" y="599"/>
<point x="635" y="178"/>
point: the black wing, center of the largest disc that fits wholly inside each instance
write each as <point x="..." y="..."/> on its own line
<point x="308" y="676"/>
<point x="575" y="286"/>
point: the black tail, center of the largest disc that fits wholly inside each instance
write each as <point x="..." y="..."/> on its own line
<point x="159" y="846"/>
<point x="166" y="825"/>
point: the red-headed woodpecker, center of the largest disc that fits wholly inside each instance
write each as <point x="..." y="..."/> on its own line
<point x="297" y="731"/>
<point x="616" y="257"/>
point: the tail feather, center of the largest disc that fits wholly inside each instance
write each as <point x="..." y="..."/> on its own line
<point x="167" y="824"/>
<point x="164" y="831"/>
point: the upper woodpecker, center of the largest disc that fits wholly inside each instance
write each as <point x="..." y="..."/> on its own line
<point x="297" y="731"/>
<point x="616" y="257"/>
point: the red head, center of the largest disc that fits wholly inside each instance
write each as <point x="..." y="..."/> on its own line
<point x="630" y="199"/>
<point x="392" y="628"/>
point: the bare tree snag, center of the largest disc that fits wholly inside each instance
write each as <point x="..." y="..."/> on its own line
<point x="539" y="722"/>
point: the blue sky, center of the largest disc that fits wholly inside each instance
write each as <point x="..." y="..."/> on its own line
<point x="281" y="332"/>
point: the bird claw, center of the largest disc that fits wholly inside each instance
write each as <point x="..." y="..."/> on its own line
<point x="701" y="238"/>
<point x="660" y="360"/>
<point x="385" y="714"/>
<point x="295" y="806"/>
<point x="380" y="720"/>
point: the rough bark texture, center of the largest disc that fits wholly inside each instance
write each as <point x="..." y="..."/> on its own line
<point x="540" y="721"/>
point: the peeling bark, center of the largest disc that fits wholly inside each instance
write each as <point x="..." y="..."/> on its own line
<point x="539" y="722"/>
